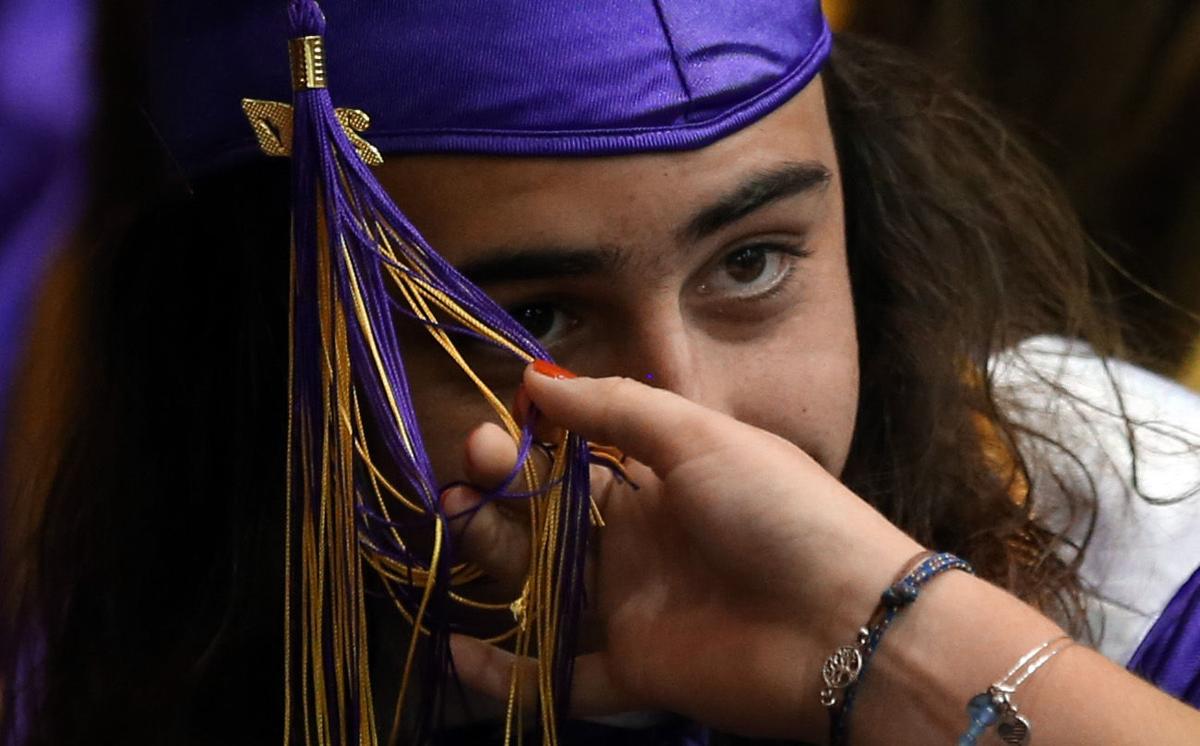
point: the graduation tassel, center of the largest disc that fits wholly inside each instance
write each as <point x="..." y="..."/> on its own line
<point x="358" y="266"/>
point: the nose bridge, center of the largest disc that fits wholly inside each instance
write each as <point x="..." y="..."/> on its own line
<point x="663" y="351"/>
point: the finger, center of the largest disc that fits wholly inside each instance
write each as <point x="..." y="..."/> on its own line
<point x="543" y="430"/>
<point x="488" y="670"/>
<point x="489" y="456"/>
<point x="497" y="543"/>
<point x="657" y="427"/>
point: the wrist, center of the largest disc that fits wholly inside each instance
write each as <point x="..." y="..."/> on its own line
<point x="858" y="595"/>
<point x="845" y="669"/>
<point x="786" y="654"/>
<point x="948" y="647"/>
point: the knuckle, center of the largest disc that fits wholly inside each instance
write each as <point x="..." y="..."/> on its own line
<point x="615" y="387"/>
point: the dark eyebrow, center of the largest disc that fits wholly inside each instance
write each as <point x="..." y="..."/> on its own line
<point x="508" y="264"/>
<point x="542" y="262"/>
<point x="754" y="193"/>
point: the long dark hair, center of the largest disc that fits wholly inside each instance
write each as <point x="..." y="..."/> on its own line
<point x="154" y="583"/>
<point x="961" y="245"/>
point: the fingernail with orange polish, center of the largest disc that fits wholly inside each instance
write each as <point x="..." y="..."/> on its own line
<point x="547" y="368"/>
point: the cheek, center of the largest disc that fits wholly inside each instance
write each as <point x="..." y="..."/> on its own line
<point x="807" y="396"/>
<point x="802" y="382"/>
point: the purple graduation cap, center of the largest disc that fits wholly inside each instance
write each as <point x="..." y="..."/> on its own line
<point x="503" y="77"/>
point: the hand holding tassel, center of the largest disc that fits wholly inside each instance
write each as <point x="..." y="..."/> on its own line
<point x="706" y="592"/>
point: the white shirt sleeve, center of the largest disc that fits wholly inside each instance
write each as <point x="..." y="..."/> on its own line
<point x="1145" y="542"/>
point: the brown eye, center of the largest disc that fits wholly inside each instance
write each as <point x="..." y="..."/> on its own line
<point x="750" y="271"/>
<point x="546" y="321"/>
<point x="538" y="320"/>
<point x="747" y="264"/>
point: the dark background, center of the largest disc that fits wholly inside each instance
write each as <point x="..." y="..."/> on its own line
<point x="1108" y="93"/>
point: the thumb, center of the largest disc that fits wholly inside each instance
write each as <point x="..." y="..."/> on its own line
<point x="657" y="427"/>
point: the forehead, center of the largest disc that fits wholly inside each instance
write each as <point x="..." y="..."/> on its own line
<point x="461" y="201"/>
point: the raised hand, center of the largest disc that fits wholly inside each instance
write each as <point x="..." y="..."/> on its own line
<point x="720" y="584"/>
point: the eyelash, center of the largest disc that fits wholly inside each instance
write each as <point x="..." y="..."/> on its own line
<point x="794" y="251"/>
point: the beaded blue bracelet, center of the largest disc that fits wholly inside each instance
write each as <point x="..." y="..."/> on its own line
<point x="844" y="670"/>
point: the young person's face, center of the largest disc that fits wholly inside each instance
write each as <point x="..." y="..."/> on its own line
<point x="719" y="274"/>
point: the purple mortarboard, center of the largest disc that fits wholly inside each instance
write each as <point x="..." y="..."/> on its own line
<point x="505" y="77"/>
<point x="492" y="76"/>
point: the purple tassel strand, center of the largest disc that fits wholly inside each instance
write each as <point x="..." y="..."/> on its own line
<point x="357" y="261"/>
